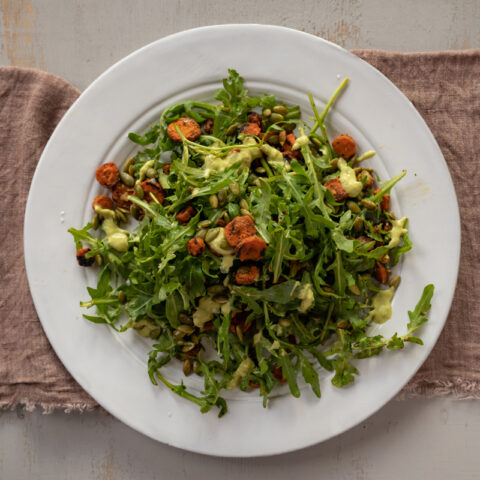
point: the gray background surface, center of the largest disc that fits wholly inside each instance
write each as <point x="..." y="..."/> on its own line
<point x="78" y="40"/>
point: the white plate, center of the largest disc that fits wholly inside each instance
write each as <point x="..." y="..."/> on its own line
<point x="129" y="96"/>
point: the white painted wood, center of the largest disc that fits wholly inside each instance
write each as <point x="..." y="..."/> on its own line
<point x="79" y="39"/>
<point x="414" y="439"/>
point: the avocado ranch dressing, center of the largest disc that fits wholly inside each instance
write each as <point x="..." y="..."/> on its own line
<point x="116" y="237"/>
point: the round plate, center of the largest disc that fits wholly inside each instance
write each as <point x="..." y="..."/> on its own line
<point x="130" y="95"/>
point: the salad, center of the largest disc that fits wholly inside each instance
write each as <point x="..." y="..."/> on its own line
<point x="252" y="249"/>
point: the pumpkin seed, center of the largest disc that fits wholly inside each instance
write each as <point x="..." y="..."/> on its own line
<point x="127" y="179"/>
<point x="281" y="109"/>
<point x="187" y="367"/>
<point x="358" y="224"/>
<point x="282" y="137"/>
<point x="273" y="140"/>
<point x="186" y="329"/>
<point x="368" y="204"/>
<point x="185" y="319"/>
<point x="244" y="204"/>
<point x="211" y="234"/>
<point x="95" y="221"/>
<point x="248" y="213"/>
<point x="365" y="177"/>
<point x="384" y="258"/>
<point x="204" y="223"/>
<point x="334" y="162"/>
<point x="284" y="322"/>
<point x="222" y="197"/>
<point x="196" y="367"/>
<point x="239" y="333"/>
<point x="354" y="289"/>
<point x="155" y="333"/>
<point x="267" y="112"/>
<point x="257" y="182"/>
<point x="188" y="346"/>
<point x="122" y="298"/>
<point x="260" y="170"/>
<point x="343" y="323"/>
<point x="201" y="233"/>
<point x="317" y="142"/>
<point x="213" y="201"/>
<point x="353" y="207"/>
<point x="98" y="259"/>
<point x="395" y="281"/>
<point x="226" y="216"/>
<point x="276" y="117"/>
<point x="139" y="191"/>
<point x="135" y="212"/>
<point x="120" y="216"/>
<point x="128" y="163"/>
<point x="221" y="299"/>
<point x="216" y="289"/>
<point x="151" y="173"/>
<point x="234" y="188"/>
<point x="131" y="170"/>
<point x="289" y="127"/>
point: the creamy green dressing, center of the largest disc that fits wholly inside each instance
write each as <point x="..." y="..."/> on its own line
<point x="207" y="308"/>
<point x="244" y="157"/>
<point x="226" y="263"/>
<point x="307" y="298"/>
<point x="245" y="367"/>
<point x="348" y="179"/>
<point x="220" y="245"/>
<point x="300" y="142"/>
<point x="366" y="155"/>
<point x="143" y="171"/>
<point x="382" y="309"/>
<point x="397" y="232"/>
<point x="116" y="237"/>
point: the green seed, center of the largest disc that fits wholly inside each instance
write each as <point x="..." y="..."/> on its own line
<point x="343" y="323"/>
<point x="178" y="335"/>
<point x="188" y="346"/>
<point x="120" y="216"/>
<point x="213" y="201"/>
<point x="127" y="179"/>
<point x="282" y="137"/>
<point x="196" y="367"/>
<point x="186" y="329"/>
<point x="151" y="173"/>
<point x="122" y="298"/>
<point x="187" y="367"/>
<point x="334" y="162"/>
<point x="289" y="127"/>
<point x="246" y="212"/>
<point x="317" y="142"/>
<point x="95" y="221"/>
<point x="128" y="163"/>
<point x="276" y="117"/>
<point x="231" y="130"/>
<point x="222" y="197"/>
<point x="185" y="319"/>
<point x="139" y="191"/>
<point x="284" y="322"/>
<point x="354" y="289"/>
<point x="204" y="223"/>
<point x="226" y="216"/>
<point x="239" y="333"/>
<point x="221" y="299"/>
<point x="131" y="170"/>
<point x="135" y="212"/>
<point x="244" y="204"/>
<point x="234" y="188"/>
<point x="273" y="140"/>
<point x="155" y="333"/>
<point x="353" y="207"/>
<point x="282" y="110"/>
<point x="358" y="224"/>
<point x="216" y="289"/>
<point x="201" y="233"/>
<point x="368" y="204"/>
<point x="98" y="259"/>
<point x="211" y="234"/>
<point x="257" y="182"/>
<point x="395" y="281"/>
<point x="267" y="112"/>
<point x="260" y="170"/>
<point x="384" y="258"/>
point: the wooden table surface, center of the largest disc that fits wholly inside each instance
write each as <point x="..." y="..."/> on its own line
<point x="78" y="40"/>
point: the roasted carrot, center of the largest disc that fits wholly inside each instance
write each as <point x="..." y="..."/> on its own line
<point x="247" y="274"/>
<point x="107" y="175"/>
<point x="103" y="201"/>
<point x="250" y="248"/>
<point x="120" y="194"/>
<point x="196" y="246"/>
<point x="153" y="187"/>
<point x="188" y="126"/>
<point x="380" y="272"/>
<point x="239" y="229"/>
<point x="251" y="129"/>
<point x="344" y="146"/>
<point x="336" y="187"/>
<point x="185" y="215"/>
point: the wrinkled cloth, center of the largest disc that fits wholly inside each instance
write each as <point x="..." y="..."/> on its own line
<point x="443" y="86"/>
